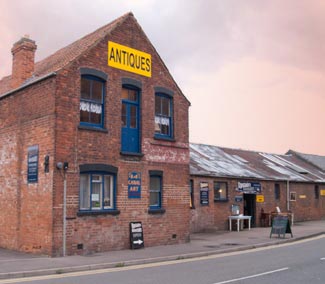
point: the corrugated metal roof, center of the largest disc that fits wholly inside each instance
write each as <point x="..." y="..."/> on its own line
<point x="318" y="161"/>
<point x="208" y="160"/>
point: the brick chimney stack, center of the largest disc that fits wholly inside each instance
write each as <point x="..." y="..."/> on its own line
<point x="23" y="52"/>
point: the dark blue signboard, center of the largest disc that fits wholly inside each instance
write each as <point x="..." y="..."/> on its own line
<point x="32" y="164"/>
<point x="134" y="185"/>
<point x="204" y="193"/>
<point x="249" y="187"/>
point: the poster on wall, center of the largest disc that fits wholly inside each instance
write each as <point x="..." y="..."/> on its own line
<point x="134" y="185"/>
<point x="249" y="187"/>
<point x="32" y="164"/>
<point x="204" y="193"/>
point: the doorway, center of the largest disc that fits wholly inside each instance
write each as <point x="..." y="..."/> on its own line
<point x="250" y="207"/>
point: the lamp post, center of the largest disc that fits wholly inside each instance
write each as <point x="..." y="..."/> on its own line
<point x="65" y="167"/>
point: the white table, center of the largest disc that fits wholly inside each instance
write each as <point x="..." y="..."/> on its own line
<point x="239" y="218"/>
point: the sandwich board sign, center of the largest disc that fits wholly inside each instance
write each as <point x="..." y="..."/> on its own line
<point x="136" y="235"/>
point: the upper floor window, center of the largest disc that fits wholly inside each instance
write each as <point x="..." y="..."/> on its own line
<point x="220" y="191"/>
<point x="163" y="116"/>
<point x="92" y="101"/>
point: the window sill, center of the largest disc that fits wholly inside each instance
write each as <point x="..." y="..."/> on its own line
<point x="92" y="128"/>
<point x="156" y="211"/>
<point x="132" y="154"/>
<point x="157" y="137"/>
<point x="221" y="200"/>
<point x="113" y="212"/>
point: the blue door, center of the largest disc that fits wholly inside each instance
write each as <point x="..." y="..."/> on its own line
<point x="130" y="139"/>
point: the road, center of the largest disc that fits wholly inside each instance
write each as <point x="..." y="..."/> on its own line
<point x="295" y="263"/>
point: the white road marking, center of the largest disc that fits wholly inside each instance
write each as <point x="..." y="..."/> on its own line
<point x="253" y="276"/>
<point x="323" y="258"/>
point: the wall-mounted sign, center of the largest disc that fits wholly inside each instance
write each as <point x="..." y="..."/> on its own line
<point x="204" y="193"/>
<point x="249" y="187"/>
<point x="129" y="59"/>
<point x="134" y="185"/>
<point x="32" y="164"/>
<point x="136" y="235"/>
<point x="302" y="196"/>
<point x="260" y="198"/>
<point x="322" y="192"/>
<point x="238" y="198"/>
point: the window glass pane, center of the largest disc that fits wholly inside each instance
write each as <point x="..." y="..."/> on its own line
<point x="97" y="91"/>
<point x="108" y="192"/>
<point x="125" y="94"/>
<point x="84" y="192"/>
<point x="133" y="116"/>
<point x="155" y="183"/>
<point x="158" y="105"/>
<point x="123" y="115"/>
<point x="84" y="111"/>
<point x="96" y="192"/>
<point x="154" y="198"/>
<point x="165" y="106"/>
<point x="133" y="95"/>
<point x="155" y="191"/>
<point x="95" y="113"/>
<point x="85" y="88"/>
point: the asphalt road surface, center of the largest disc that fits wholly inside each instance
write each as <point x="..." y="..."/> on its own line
<point x="301" y="262"/>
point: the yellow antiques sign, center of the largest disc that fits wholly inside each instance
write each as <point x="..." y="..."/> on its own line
<point x="260" y="198"/>
<point x="129" y="59"/>
<point x="322" y="192"/>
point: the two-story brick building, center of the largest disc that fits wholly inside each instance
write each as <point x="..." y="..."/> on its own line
<point x="92" y="138"/>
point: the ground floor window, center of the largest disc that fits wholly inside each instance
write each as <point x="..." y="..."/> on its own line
<point x="155" y="190"/>
<point x="220" y="191"/>
<point x="96" y="191"/>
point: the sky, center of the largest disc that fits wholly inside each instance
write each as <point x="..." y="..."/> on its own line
<point x="253" y="70"/>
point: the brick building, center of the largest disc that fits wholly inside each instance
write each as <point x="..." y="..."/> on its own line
<point x="92" y="138"/>
<point x="253" y="182"/>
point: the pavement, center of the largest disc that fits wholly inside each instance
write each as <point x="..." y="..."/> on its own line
<point x="16" y="264"/>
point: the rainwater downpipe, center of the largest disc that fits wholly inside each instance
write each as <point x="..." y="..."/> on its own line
<point x="288" y="196"/>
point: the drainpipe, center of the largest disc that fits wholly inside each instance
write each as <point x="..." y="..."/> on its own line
<point x="288" y="196"/>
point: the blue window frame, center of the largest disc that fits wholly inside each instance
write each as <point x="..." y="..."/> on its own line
<point x="97" y="191"/>
<point x="92" y="101"/>
<point x="155" y="190"/>
<point x="163" y="116"/>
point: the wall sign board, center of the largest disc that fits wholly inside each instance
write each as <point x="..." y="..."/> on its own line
<point x="260" y="198"/>
<point x="134" y="185"/>
<point x="249" y="187"/>
<point x="322" y="192"/>
<point x="129" y="59"/>
<point x="32" y="164"/>
<point x="204" y="193"/>
<point x="136" y="235"/>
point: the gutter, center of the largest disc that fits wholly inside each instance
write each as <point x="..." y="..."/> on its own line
<point x="28" y="84"/>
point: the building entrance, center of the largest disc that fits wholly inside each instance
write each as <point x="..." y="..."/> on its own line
<point x="250" y="207"/>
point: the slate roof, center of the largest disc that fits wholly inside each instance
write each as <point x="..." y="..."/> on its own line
<point x="64" y="56"/>
<point x="208" y="160"/>
<point x="316" y="160"/>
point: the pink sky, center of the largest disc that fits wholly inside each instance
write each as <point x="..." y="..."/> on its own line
<point x="252" y="69"/>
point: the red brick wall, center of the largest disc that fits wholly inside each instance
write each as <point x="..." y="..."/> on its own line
<point x="79" y="146"/>
<point x="27" y="119"/>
